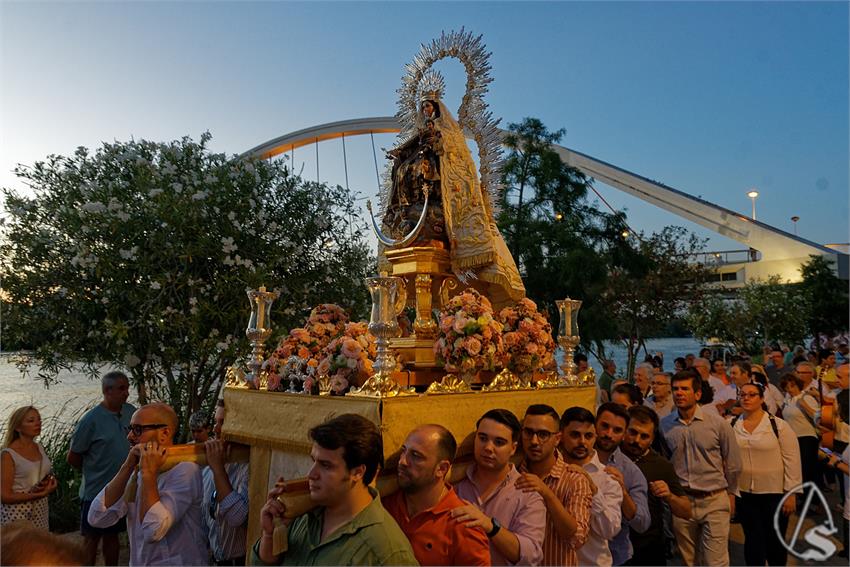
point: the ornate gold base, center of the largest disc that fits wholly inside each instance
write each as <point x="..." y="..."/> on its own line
<point x="450" y="384"/>
<point x="550" y="380"/>
<point x="505" y="381"/>
<point x="413" y="351"/>
<point x="379" y="386"/>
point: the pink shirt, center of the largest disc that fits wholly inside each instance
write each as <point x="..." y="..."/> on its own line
<point x="522" y="513"/>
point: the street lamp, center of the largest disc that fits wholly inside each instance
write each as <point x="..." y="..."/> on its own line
<point x="794" y="219"/>
<point x="752" y="195"/>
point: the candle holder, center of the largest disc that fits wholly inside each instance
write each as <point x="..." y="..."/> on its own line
<point x="388" y="295"/>
<point x="568" y="337"/>
<point x="258" y="331"/>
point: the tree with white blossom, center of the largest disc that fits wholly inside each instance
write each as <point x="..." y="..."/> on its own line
<point x="139" y="254"/>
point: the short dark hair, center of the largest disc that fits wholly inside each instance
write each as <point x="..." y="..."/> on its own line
<point x="745" y="367"/>
<point x="688" y="374"/>
<point x="616" y="409"/>
<point x="446" y="444"/>
<point x="359" y="438"/>
<point x="109" y="379"/>
<point x="644" y="414"/>
<point x="506" y="418"/>
<point x="824" y="353"/>
<point x="630" y="390"/>
<point x="579" y="358"/>
<point x="579" y="414"/>
<point x="790" y="377"/>
<point x="543" y="409"/>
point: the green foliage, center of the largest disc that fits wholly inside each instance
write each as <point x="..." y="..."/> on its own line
<point x="631" y="288"/>
<point x="65" y="501"/>
<point x="827" y="297"/>
<point x="644" y="295"/>
<point x="763" y="312"/>
<point x="139" y="254"/>
<point x="563" y="245"/>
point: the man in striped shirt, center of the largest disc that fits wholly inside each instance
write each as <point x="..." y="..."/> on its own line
<point x="566" y="489"/>
<point x="225" y="509"/>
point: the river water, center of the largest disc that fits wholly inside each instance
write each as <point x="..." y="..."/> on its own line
<point x="75" y="392"/>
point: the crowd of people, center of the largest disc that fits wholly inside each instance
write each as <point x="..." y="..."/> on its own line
<point x="664" y="464"/>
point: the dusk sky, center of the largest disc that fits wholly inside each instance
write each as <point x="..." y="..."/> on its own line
<point x="710" y="98"/>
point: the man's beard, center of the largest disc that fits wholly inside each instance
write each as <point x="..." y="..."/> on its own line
<point x="631" y="449"/>
<point x="607" y="445"/>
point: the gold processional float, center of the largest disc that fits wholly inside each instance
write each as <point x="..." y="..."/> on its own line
<point x="439" y="251"/>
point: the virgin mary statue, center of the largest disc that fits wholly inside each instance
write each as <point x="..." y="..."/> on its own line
<point x="461" y="213"/>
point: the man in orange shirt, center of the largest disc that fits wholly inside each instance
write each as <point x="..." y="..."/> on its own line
<point x="422" y="507"/>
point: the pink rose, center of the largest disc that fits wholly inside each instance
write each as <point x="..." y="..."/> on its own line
<point x="324" y="367"/>
<point x="459" y="323"/>
<point x="472" y="345"/>
<point x="351" y="348"/>
<point x="273" y="381"/>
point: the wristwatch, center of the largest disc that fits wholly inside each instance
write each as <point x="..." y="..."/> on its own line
<point x="496" y="527"/>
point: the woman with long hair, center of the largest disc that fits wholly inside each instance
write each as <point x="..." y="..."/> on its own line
<point x="770" y="456"/>
<point x="26" y="479"/>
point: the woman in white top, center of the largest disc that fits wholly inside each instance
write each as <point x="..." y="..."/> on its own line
<point x="799" y="411"/>
<point x="26" y="479"/>
<point x="770" y="458"/>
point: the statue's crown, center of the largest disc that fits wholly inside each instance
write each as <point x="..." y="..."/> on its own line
<point x="432" y="86"/>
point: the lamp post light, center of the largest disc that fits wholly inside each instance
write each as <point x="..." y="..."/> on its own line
<point x="794" y="219"/>
<point x="752" y="195"/>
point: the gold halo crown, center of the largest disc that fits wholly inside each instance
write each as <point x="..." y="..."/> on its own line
<point x="432" y="86"/>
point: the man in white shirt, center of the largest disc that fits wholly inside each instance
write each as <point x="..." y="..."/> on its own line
<point x="578" y="435"/>
<point x="163" y="510"/>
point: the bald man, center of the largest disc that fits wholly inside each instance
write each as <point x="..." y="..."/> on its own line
<point x="422" y="506"/>
<point x="163" y="510"/>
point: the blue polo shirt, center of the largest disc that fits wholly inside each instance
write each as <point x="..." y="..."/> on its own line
<point x="101" y="439"/>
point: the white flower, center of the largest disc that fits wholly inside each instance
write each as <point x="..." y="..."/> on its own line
<point x="123" y="216"/>
<point x="231" y="215"/>
<point x="94" y="207"/>
<point x="193" y="301"/>
<point x="105" y="300"/>
<point x="221" y="345"/>
<point x="228" y="261"/>
<point x="156" y="285"/>
<point x="131" y="360"/>
<point x="228" y="245"/>
<point x="129" y="254"/>
<point x="199" y="196"/>
<point x="114" y="205"/>
<point x="178" y="187"/>
<point x="154" y="192"/>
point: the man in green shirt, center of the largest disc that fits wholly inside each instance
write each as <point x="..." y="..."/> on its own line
<point x="349" y="526"/>
<point x="607" y="377"/>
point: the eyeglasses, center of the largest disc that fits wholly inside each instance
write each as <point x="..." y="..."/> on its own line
<point x="542" y="434"/>
<point x="139" y="429"/>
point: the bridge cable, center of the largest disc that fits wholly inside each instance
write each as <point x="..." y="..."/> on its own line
<point x="375" y="157"/>
<point x="317" y="161"/>
<point x="347" y="190"/>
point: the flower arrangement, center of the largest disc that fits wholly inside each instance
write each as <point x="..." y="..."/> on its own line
<point x="348" y="359"/>
<point x="470" y="338"/>
<point x="326" y="322"/>
<point x="527" y="338"/>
